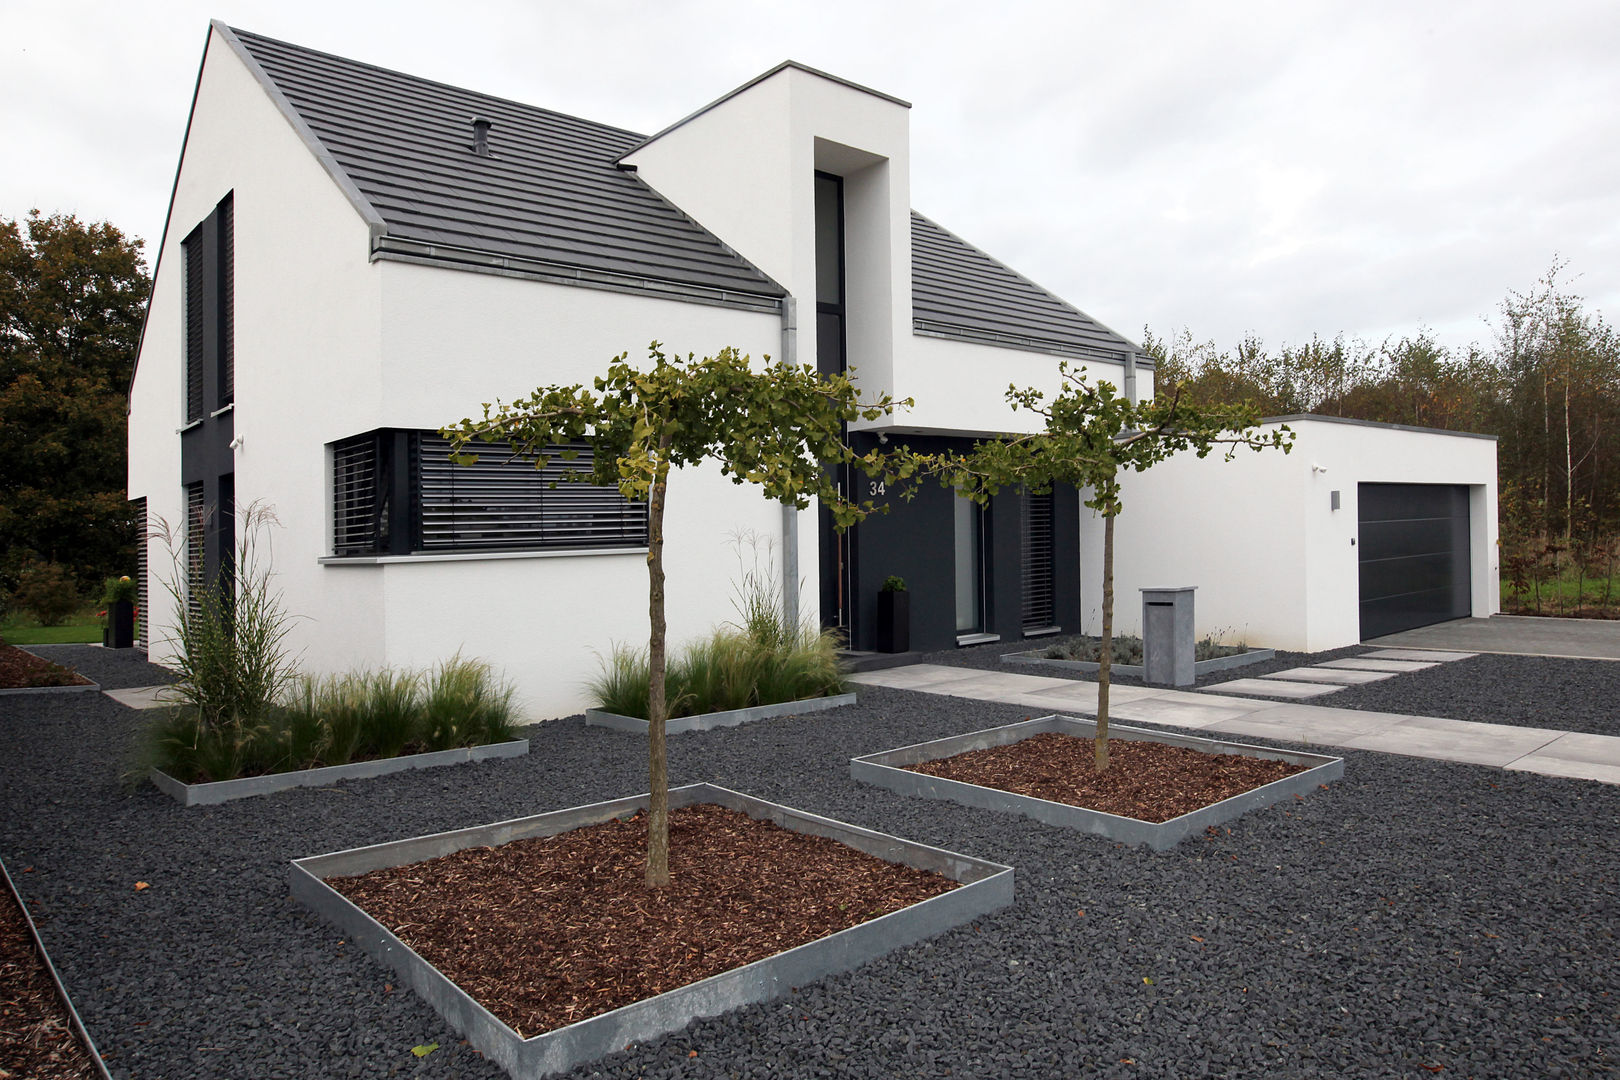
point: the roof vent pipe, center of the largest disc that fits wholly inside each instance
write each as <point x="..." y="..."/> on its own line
<point x="481" y="128"/>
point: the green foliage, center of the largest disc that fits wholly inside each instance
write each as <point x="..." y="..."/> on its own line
<point x="47" y="592"/>
<point x="1128" y="649"/>
<point x="119" y="588"/>
<point x="893" y="583"/>
<point x="759" y="598"/>
<point x="337" y="720"/>
<point x="230" y="638"/>
<point x="727" y="670"/>
<point x="72" y="297"/>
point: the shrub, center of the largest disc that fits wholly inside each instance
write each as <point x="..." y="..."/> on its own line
<point x="47" y="592"/>
<point x="893" y="583"/>
<point x="119" y="588"/>
<point x="727" y="670"/>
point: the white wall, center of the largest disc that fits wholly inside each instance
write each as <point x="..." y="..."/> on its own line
<point x="306" y="340"/>
<point x="1272" y="561"/>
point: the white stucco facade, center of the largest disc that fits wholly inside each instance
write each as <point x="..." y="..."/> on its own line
<point x="1273" y="562"/>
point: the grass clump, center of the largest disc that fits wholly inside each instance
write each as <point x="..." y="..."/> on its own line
<point x="338" y="719"/>
<point x="727" y="670"/>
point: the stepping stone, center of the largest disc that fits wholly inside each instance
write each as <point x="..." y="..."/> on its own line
<point x="1359" y="664"/>
<point x="1576" y="754"/>
<point x="1342" y="676"/>
<point x="1273" y="688"/>
<point x="1431" y="655"/>
<point x="144" y="697"/>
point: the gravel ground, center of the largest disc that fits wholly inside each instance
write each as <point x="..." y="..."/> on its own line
<point x="1525" y="691"/>
<point x="1416" y="916"/>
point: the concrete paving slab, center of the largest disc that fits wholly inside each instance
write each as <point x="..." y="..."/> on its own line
<point x="145" y="697"/>
<point x="1525" y="635"/>
<point x="916" y="676"/>
<point x="1199" y="714"/>
<point x="1575" y="746"/>
<point x="1313" y="725"/>
<point x="1455" y="740"/>
<point x="1273" y="688"/>
<point x="1397" y="667"/>
<point x="1574" y="770"/>
<point x="993" y="687"/>
<point x="1341" y="676"/>
<point x="1433" y="655"/>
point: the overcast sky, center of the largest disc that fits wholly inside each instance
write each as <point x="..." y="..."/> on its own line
<point x="1282" y="168"/>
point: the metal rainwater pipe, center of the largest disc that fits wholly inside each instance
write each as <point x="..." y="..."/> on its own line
<point x="790" y="514"/>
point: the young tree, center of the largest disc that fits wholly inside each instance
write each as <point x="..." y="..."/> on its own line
<point x="776" y="426"/>
<point x="71" y="301"/>
<point x="1091" y="435"/>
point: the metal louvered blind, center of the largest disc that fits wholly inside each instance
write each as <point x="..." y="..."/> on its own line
<point x="194" y="325"/>
<point x="227" y="302"/>
<point x="196" y="530"/>
<point x="354" y="496"/>
<point x="1037" y="550"/>
<point x="138" y="514"/>
<point x="498" y="503"/>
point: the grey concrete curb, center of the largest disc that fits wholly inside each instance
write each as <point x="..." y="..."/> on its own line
<point x="85" y="689"/>
<point x="79" y="1029"/>
<point x="708" y="721"/>
<point x="1201" y="667"/>
<point x="986" y="887"/>
<point x="220" y="791"/>
<point x="884" y="770"/>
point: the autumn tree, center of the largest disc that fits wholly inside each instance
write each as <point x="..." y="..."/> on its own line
<point x="1091" y="436"/>
<point x="778" y="427"/>
<point x="72" y="297"/>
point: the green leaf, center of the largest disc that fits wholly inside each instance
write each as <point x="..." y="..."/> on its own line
<point x="424" y="1050"/>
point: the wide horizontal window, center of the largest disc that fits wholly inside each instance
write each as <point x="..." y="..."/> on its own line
<point x="397" y="493"/>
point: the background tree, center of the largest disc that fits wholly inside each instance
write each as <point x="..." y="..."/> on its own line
<point x="72" y="297"/>
<point x="1092" y="435"/>
<point x="778" y="427"/>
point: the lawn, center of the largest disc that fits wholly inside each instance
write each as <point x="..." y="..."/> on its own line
<point x="83" y="627"/>
<point x="1566" y="595"/>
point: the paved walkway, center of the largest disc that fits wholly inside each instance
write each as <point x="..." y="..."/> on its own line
<point x="1539" y="750"/>
<point x="1526" y="635"/>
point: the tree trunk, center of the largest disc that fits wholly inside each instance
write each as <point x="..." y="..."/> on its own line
<point x="657" y="706"/>
<point x="1105" y="654"/>
<point x="1569" y="473"/>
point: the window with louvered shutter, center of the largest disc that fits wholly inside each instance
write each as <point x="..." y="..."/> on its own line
<point x="227" y="302"/>
<point x="500" y="503"/>
<point x="196" y="533"/>
<point x="1037" y="554"/>
<point x="195" y="267"/>
<point x="356" y="505"/>
<point x="138" y="514"/>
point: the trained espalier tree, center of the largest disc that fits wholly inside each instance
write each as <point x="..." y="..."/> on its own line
<point x="1092" y="434"/>
<point x="776" y="426"/>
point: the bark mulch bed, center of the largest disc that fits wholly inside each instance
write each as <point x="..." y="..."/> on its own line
<point x="1148" y="781"/>
<point x="19" y="670"/>
<point x="549" y="931"/>
<point x="37" y="1040"/>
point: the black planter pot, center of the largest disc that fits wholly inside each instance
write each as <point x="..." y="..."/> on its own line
<point x="120" y="624"/>
<point x="894" y="622"/>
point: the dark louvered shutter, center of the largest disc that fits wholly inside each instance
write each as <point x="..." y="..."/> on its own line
<point x="355" y="505"/>
<point x="227" y="302"/>
<point x="138" y="515"/>
<point x="195" y="269"/>
<point x="1037" y="551"/>
<point x="196" y="532"/>
<point x="505" y="504"/>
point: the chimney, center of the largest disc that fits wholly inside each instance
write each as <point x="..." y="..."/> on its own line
<point x="481" y="128"/>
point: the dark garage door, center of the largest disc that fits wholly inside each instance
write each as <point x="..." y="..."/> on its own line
<point x="1414" y="556"/>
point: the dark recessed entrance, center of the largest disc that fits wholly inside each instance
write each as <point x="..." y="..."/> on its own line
<point x="1414" y="541"/>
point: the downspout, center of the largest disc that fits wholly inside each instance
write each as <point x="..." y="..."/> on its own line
<point x="1130" y="377"/>
<point x="790" y="514"/>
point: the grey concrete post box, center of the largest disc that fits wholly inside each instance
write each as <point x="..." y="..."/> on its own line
<point x="1167" y="636"/>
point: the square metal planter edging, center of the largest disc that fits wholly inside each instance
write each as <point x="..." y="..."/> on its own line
<point x="1137" y="671"/>
<point x="709" y="721"/>
<point x="986" y="887"/>
<point x="220" y="791"/>
<point x="884" y="770"/>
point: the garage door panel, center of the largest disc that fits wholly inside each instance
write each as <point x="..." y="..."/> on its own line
<point x="1398" y="539"/>
<point x="1413" y="555"/>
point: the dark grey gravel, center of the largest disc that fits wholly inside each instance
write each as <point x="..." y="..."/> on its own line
<point x="113" y="669"/>
<point x="1415" y="915"/>
<point x="1525" y="691"/>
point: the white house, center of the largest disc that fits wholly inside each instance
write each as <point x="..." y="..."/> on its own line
<point x="354" y="257"/>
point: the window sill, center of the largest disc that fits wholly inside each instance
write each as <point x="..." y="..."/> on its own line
<point x="474" y="556"/>
<point x="222" y="411"/>
<point x="188" y="427"/>
<point x="1043" y="631"/>
<point x="977" y="639"/>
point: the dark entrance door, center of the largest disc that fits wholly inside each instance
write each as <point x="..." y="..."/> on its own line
<point x="1413" y="556"/>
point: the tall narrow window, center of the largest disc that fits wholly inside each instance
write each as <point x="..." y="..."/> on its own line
<point x="834" y="547"/>
<point x="227" y="301"/>
<point x="138" y="515"/>
<point x="196" y="305"/>
<point x="969" y="566"/>
<point x="1037" y="552"/>
<point x="196" y="533"/>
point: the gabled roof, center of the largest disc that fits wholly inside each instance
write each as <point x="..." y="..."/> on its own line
<point x="550" y="201"/>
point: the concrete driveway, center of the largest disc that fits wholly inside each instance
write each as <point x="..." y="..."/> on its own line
<point x="1586" y="639"/>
